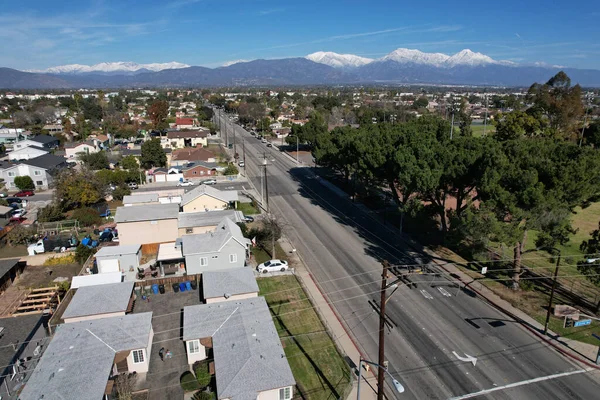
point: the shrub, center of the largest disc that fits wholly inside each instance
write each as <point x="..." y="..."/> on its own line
<point x="82" y="253"/>
<point x="50" y="213"/>
<point x="202" y="395"/>
<point x="120" y="192"/>
<point x="60" y="260"/>
<point x="203" y="376"/>
<point x="230" y="170"/>
<point x="24" y="183"/>
<point x="188" y="382"/>
<point x="87" y="216"/>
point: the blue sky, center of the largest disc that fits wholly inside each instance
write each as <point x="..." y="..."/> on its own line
<point x="40" y="33"/>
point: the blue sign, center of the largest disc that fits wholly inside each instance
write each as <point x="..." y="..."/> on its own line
<point x="583" y="322"/>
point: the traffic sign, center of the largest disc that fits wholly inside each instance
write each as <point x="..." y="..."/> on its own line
<point x="483" y="270"/>
<point x="583" y="322"/>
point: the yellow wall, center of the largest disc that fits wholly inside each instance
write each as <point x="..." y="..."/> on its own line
<point x="145" y="232"/>
<point x="202" y="203"/>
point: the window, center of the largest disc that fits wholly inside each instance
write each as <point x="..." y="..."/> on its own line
<point x="138" y="356"/>
<point x="195" y="172"/>
<point x="232" y="258"/>
<point x="189" y="230"/>
<point x="11" y="174"/>
<point x="193" y="346"/>
<point x="37" y="172"/>
<point x="285" y="393"/>
<point x="39" y="183"/>
<point x="201" y="172"/>
<point x="203" y="261"/>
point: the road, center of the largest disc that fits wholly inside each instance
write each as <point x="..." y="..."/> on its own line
<point x="341" y="247"/>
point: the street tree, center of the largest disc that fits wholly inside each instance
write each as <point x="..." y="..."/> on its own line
<point x="158" y="112"/>
<point x="95" y="161"/>
<point x="153" y="155"/>
<point x="78" y="188"/>
<point x="24" y="183"/>
<point x="130" y="163"/>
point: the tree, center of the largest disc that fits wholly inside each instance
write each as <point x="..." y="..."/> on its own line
<point x="158" y="112"/>
<point x="231" y="169"/>
<point x="24" y="183"/>
<point x="153" y="155"/>
<point x="52" y="212"/>
<point x="95" y="161"/>
<point x="19" y="235"/>
<point x="516" y="124"/>
<point x="75" y="188"/>
<point x="125" y="385"/>
<point x="309" y="132"/>
<point x="421" y="102"/>
<point x="120" y="192"/>
<point x="130" y="163"/>
<point x="464" y="119"/>
<point x="590" y="266"/>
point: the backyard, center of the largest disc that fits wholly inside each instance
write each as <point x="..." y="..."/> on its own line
<point x="319" y="369"/>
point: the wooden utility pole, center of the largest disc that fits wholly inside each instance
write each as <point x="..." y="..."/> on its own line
<point x="381" y="361"/>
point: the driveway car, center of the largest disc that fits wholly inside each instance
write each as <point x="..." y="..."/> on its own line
<point x="241" y="164"/>
<point x="18" y="213"/>
<point x="11" y="200"/>
<point x="248" y="218"/>
<point x="269" y="145"/>
<point x="272" y="266"/>
<point x="16" y="220"/>
<point x="209" y="182"/>
<point x="185" y="183"/>
<point x="132" y="185"/>
<point x="24" y="193"/>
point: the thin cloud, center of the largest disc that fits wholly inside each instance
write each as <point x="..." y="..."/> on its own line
<point x="181" y="3"/>
<point x="517" y="35"/>
<point x="271" y="11"/>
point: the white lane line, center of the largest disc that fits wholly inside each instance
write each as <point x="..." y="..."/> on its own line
<point x="444" y="292"/>
<point x="426" y="294"/>
<point x="521" y="383"/>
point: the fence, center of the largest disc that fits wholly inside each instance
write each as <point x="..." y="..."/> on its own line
<point x="56" y="318"/>
<point x="168" y="282"/>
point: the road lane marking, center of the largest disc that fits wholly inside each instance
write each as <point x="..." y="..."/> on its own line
<point x="426" y="294"/>
<point x="521" y="383"/>
<point x="466" y="358"/>
<point x="444" y="292"/>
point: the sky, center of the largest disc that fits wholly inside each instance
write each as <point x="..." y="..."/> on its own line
<point x="38" y="34"/>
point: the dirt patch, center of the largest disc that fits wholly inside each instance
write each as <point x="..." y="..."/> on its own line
<point x="41" y="276"/>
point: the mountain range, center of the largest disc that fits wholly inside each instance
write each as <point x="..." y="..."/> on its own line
<point x="401" y="66"/>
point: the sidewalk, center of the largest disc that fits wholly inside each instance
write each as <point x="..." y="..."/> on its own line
<point x="339" y="334"/>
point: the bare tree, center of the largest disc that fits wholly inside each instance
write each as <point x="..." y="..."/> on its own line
<point x="125" y="384"/>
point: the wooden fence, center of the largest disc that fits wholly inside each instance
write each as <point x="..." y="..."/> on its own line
<point x="56" y="318"/>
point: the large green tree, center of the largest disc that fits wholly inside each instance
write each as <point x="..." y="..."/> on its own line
<point x="158" y="112"/>
<point x="24" y="183"/>
<point x="95" y="161"/>
<point x="153" y="155"/>
<point x="517" y="124"/>
<point x="78" y="188"/>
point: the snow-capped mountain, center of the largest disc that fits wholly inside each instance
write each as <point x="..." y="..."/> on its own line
<point x="338" y="60"/>
<point x="470" y="58"/>
<point x="405" y="56"/>
<point x="112" y="67"/>
<point x="228" y="63"/>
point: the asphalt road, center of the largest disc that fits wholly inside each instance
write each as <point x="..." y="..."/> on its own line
<point x="341" y="246"/>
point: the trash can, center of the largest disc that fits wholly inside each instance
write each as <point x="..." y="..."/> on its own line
<point x="188" y="286"/>
<point x="176" y="287"/>
<point x="194" y="285"/>
<point x="182" y="287"/>
<point x="155" y="288"/>
<point x="161" y="289"/>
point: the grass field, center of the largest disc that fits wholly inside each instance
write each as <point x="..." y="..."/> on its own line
<point x="320" y="371"/>
<point x="478" y="130"/>
<point x="260" y="255"/>
<point x="247" y="208"/>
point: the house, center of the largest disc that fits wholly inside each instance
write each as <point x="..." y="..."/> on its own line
<point x="22" y="341"/>
<point x="248" y="357"/>
<point x="229" y="285"/>
<point x="72" y="149"/>
<point x="199" y="169"/>
<point x="182" y="157"/>
<point x="151" y="223"/>
<point x="225" y="247"/>
<point x="163" y="196"/>
<point x="101" y="141"/>
<point x="125" y="259"/>
<point x="140" y="199"/>
<point x="45" y="141"/>
<point x="202" y="222"/>
<point x="96" y="279"/>
<point x="186" y="123"/>
<point x="170" y="259"/>
<point x="53" y="128"/>
<point x="172" y="174"/>
<point x="99" y="301"/>
<point x="5" y="214"/>
<point x="40" y="169"/>
<point x="27" y="153"/>
<point x="181" y="139"/>
<point x="10" y="269"/>
<point x="84" y="357"/>
<point x="208" y="198"/>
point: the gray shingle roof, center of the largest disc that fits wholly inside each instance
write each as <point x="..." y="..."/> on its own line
<point x="205" y="190"/>
<point x="79" y="359"/>
<point x="47" y="161"/>
<point x="17" y="330"/>
<point x="141" y="198"/>
<point x="7" y="265"/>
<point x="231" y="281"/>
<point x="148" y="212"/>
<point x="109" y="251"/>
<point x="210" y="218"/>
<point x="99" y="299"/>
<point x="213" y="241"/>
<point x="248" y="354"/>
<point x="44" y="139"/>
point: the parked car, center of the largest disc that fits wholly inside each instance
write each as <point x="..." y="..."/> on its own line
<point x="19" y="212"/>
<point x="248" y="218"/>
<point x="132" y="185"/>
<point x="209" y="182"/>
<point x="272" y="266"/>
<point x="16" y="220"/>
<point x="12" y="200"/>
<point x="3" y="194"/>
<point x="269" y="144"/>
<point x="185" y="183"/>
<point x="263" y="140"/>
<point x="241" y="164"/>
<point x="252" y="133"/>
<point x="24" y="193"/>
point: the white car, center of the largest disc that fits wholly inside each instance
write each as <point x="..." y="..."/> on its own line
<point x="241" y="164"/>
<point x="209" y="182"/>
<point x="185" y="183"/>
<point x="272" y="266"/>
<point x="132" y="185"/>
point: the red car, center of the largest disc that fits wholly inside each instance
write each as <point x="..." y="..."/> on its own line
<point x="16" y="220"/>
<point x="24" y="193"/>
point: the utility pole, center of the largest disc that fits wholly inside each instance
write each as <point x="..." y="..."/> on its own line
<point x="266" y="185"/>
<point x="234" y="143"/>
<point x="486" y="113"/>
<point x="551" y="295"/>
<point x="452" y="123"/>
<point x="244" y="150"/>
<point x="381" y="361"/>
<point x="297" y="149"/>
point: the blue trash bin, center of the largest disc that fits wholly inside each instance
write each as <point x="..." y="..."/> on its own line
<point x="182" y="287"/>
<point x="188" y="286"/>
<point x="155" y="288"/>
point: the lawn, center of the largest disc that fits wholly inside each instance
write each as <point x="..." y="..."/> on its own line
<point x="260" y="255"/>
<point x="247" y="208"/>
<point x="478" y="130"/>
<point x="319" y="369"/>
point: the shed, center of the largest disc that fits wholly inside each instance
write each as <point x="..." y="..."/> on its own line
<point x="10" y="269"/>
<point x="99" y="301"/>
<point x="229" y="285"/>
<point x="96" y="279"/>
<point x="119" y="258"/>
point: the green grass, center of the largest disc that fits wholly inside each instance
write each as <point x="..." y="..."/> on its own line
<point x="260" y="255"/>
<point x="319" y="369"/>
<point x="478" y="130"/>
<point x="247" y="208"/>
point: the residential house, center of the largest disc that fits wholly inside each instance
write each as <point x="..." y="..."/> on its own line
<point x="43" y="141"/>
<point x="83" y="358"/>
<point x="27" y="153"/>
<point x="202" y="222"/>
<point x="22" y="341"/>
<point x="172" y="174"/>
<point x="248" y="356"/>
<point x="101" y="141"/>
<point x="73" y="149"/>
<point x="5" y="214"/>
<point x="53" y="128"/>
<point x="182" y="157"/>
<point x="229" y="285"/>
<point x="199" y="169"/>
<point x="208" y="198"/>
<point x="225" y="247"/>
<point x="170" y="259"/>
<point x="181" y="139"/>
<point x="186" y="123"/>
<point x="99" y="301"/>
<point x="40" y="169"/>
<point x="163" y="196"/>
<point x="151" y="223"/>
<point x="140" y="199"/>
<point x="96" y="279"/>
<point x="10" y="269"/>
<point x="125" y="259"/>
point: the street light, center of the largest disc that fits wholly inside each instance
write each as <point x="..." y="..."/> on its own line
<point x="397" y="385"/>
